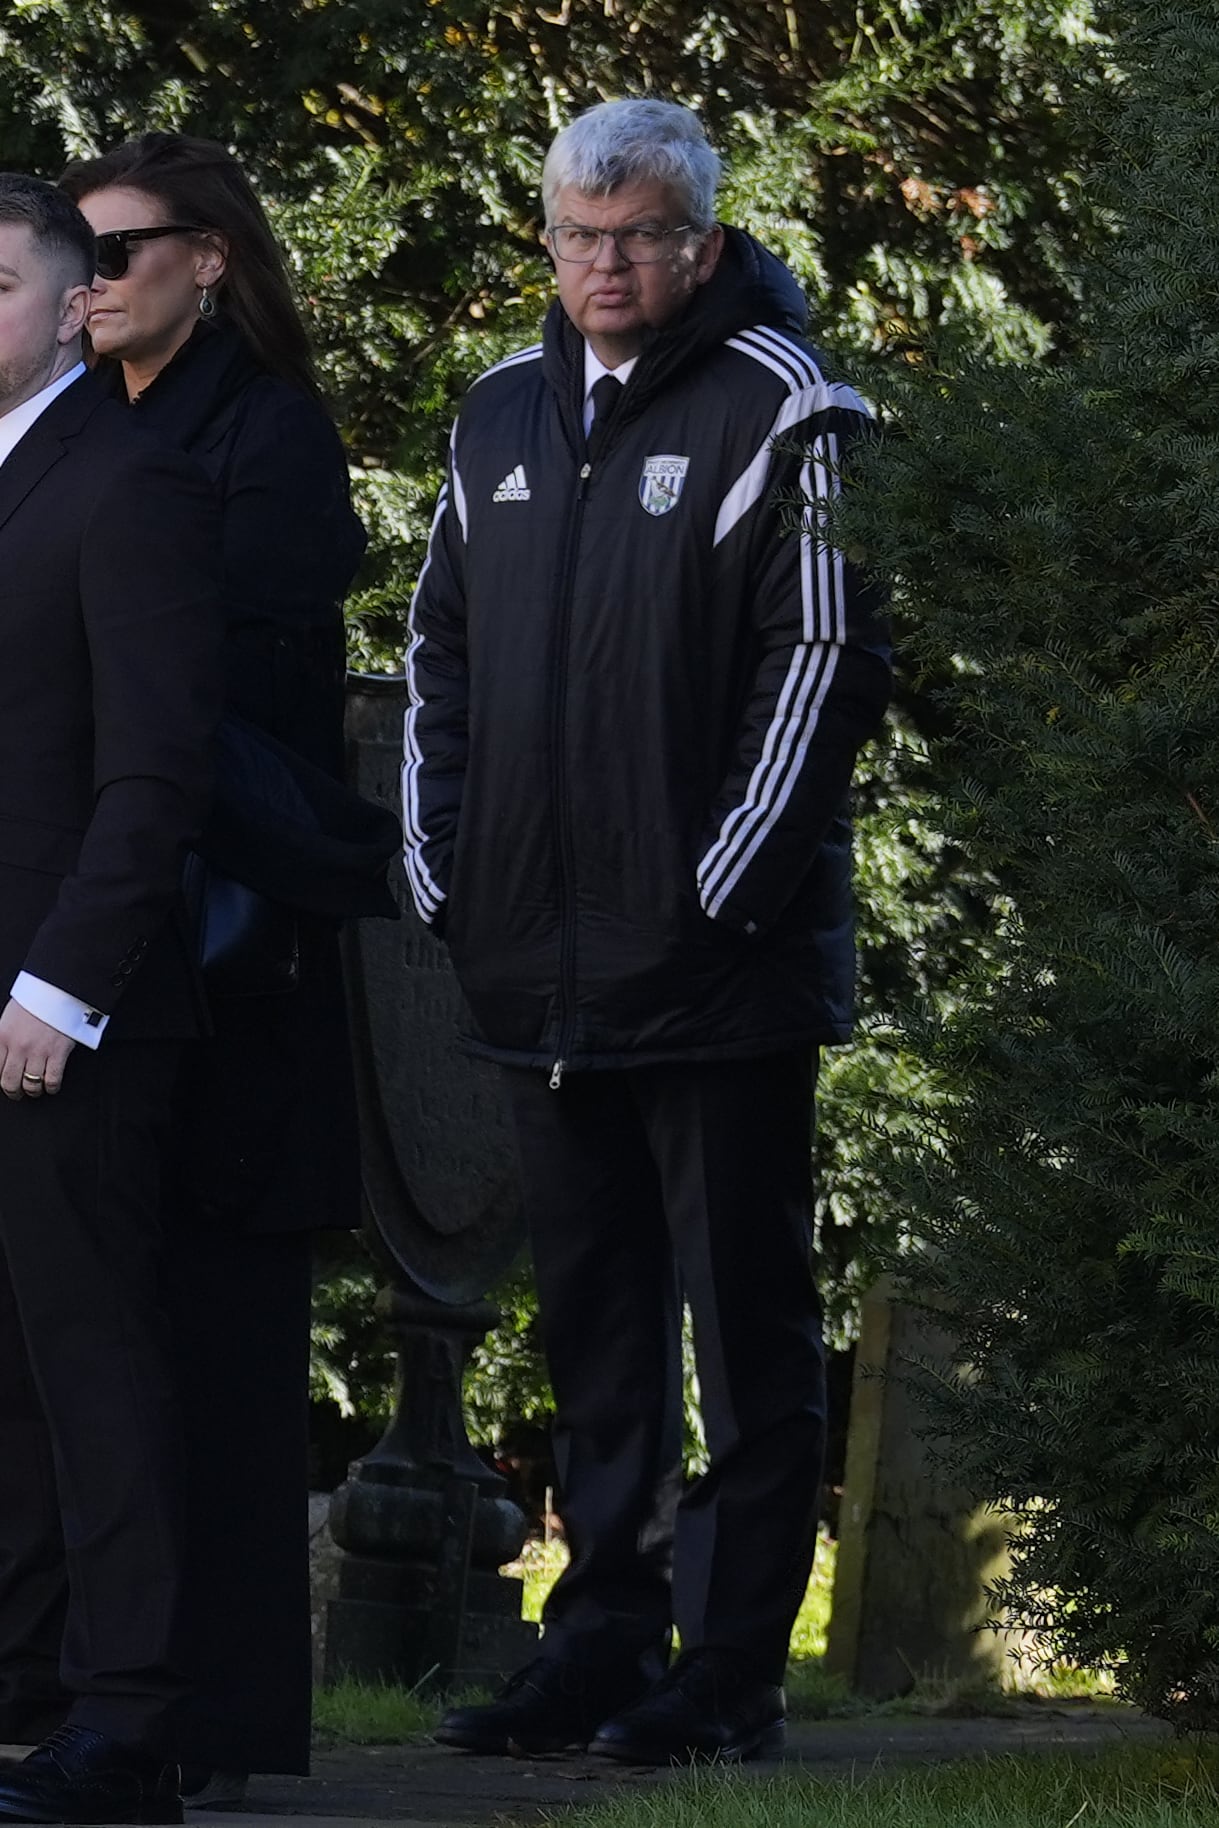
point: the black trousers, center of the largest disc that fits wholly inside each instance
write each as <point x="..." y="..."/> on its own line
<point x="238" y="1312"/>
<point x="33" y="1578"/>
<point x="90" y="1430"/>
<point x="240" y="1308"/>
<point x="641" y="1186"/>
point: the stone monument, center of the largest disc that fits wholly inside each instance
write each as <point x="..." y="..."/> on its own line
<point x="423" y="1523"/>
<point x="916" y="1554"/>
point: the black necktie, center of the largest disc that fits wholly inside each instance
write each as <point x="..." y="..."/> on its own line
<point x="607" y="396"/>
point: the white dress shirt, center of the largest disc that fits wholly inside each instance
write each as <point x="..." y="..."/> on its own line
<point x="594" y="368"/>
<point x="15" y="424"/>
<point x="67" y="1013"/>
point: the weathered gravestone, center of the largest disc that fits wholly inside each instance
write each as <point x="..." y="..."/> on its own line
<point x="424" y="1524"/>
<point x="916" y="1554"/>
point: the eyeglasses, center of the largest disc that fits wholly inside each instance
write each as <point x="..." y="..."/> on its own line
<point x="114" y="247"/>
<point x="641" y="246"/>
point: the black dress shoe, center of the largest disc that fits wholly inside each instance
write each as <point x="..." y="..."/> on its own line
<point x="549" y="1706"/>
<point x="711" y="1705"/>
<point x="81" y="1776"/>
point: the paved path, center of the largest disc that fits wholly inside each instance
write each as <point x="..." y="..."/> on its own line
<point x="424" y="1786"/>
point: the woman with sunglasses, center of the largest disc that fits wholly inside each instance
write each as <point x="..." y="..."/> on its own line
<point x="192" y="321"/>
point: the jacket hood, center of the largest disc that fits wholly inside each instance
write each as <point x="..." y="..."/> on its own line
<point x="750" y="286"/>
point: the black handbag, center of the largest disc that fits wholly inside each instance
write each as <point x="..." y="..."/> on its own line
<point x="286" y="829"/>
<point x="283" y="839"/>
<point x="246" y="944"/>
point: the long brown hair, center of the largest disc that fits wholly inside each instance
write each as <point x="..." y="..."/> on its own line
<point x="199" y="181"/>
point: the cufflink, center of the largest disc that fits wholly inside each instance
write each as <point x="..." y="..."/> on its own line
<point x="93" y="1018"/>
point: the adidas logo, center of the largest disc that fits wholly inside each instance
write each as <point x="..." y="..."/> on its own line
<point x="513" y="487"/>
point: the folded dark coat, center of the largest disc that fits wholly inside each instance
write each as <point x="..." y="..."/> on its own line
<point x="290" y="830"/>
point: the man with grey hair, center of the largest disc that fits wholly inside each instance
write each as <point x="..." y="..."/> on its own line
<point x="110" y="689"/>
<point x="637" y="692"/>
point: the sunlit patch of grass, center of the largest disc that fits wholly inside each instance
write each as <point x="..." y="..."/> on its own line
<point x="1058" y="1681"/>
<point x="1134" y="1787"/>
<point x="365" y="1713"/>
<point x="370" y="1713"/>
<point x="812" y="1625"/>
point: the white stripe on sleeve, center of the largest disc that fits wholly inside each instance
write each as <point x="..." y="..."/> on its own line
<point x="459" y="493"/>
<point x="425" y="892"/>
<point x="809" y="675"/>
<point x="747" y="490"/>
<point x="532" y="354"/>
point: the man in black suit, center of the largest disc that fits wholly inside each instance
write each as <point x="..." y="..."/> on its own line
<point x="109" y="696"/>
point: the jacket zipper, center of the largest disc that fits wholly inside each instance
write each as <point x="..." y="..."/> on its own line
<point x="567" y="860"/>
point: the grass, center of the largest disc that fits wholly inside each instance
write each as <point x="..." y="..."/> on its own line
<point x="365" y="1713"/>
<point x="541" y="1564"/>
<point x="1134" y="1787"/>
<point x="357" y="1713"/>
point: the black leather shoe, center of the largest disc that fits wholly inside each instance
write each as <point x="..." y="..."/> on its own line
<point x="711" y="1705"/>
<point x="549" y="1706"/>
<point x="80" y="1776"/>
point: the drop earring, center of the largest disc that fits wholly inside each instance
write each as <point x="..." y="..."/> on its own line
<point x="207" y="305"/>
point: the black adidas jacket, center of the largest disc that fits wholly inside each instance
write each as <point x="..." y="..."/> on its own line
<point x="637" y="696"/>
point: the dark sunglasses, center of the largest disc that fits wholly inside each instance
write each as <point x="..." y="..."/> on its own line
<point x="114" y="247"/>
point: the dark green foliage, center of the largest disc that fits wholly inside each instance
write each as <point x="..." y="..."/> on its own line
<point x="1055" y="534"/>
<point x="918" y="125"/>
<point x="506" y="1380"/>
<point x="351" y="1365"/>
<point x="911" y="160"/>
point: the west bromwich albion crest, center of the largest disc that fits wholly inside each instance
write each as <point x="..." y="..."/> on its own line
<point x="661" y="482"/>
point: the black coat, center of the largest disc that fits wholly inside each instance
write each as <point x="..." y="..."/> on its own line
<point x="109" y="693"/>
<point x="638" y="695"/>
<point x="269" y="1127"/>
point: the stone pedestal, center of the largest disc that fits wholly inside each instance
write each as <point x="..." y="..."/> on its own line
<point x="915" y="1554"/>
<point x="424" y="1526"/>
<point x="382" y="1628"/>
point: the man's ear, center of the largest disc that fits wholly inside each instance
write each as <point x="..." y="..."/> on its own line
<point x="708" y="257"/>
<point x="73" y="310"/>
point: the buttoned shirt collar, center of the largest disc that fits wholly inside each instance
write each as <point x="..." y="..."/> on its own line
<point x="14" y="425"/>
<point x="594" y="368"/>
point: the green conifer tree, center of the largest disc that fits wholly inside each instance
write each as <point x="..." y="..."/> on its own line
<point x="912" y="162"/>
<point x="1054" y="537"/>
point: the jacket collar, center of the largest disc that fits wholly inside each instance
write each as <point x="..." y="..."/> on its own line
<point x="47" y="440"/>
<point x="15" y="423"/>
<point x="207" y="373"/>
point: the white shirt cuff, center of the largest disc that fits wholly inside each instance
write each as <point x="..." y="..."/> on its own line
<point x="68" y="1014"/>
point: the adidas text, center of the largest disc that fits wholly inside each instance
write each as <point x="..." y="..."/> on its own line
<point x="513" y="487"/>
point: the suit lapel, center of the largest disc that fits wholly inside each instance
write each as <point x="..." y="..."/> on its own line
<point x="45" y="444"/>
